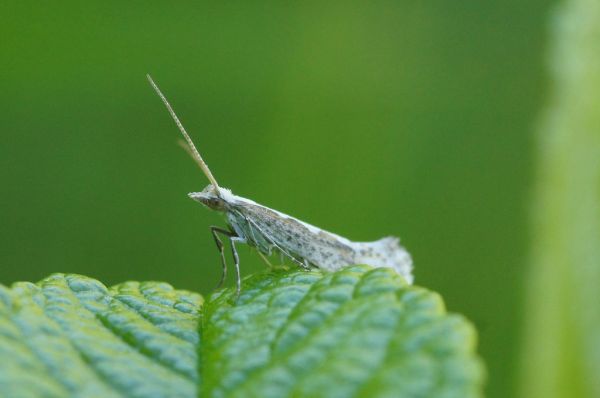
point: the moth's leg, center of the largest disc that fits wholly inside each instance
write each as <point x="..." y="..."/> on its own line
<point x="264" y="258"/>
<point x="215" y="231"/>
<point x="236" y="260"/>
<point x="271" y="241"/>
<point x="251" y="230"/>
<point x="306" y="265"/>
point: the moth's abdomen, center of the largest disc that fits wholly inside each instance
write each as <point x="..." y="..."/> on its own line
<point x="386" y="253"/>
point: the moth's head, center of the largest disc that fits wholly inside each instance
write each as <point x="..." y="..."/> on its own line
<point x="210" y="198"/>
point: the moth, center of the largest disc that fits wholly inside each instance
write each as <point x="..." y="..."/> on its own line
<point x="270" y="231"/>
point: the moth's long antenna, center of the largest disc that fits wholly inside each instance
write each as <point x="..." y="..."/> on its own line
<point x="192" y="148"/>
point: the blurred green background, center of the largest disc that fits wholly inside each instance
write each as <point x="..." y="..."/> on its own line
<point x="367" y="119"/>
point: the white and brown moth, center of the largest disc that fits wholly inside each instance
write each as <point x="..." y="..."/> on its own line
<point x="271" y="231"/>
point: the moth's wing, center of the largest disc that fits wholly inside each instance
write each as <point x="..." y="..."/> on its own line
<point x="298" y="241"/>
<point x="388" y="253"/>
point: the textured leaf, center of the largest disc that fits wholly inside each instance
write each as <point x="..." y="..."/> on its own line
<point x="360" y="332"/>
<point x="69" y="335"/>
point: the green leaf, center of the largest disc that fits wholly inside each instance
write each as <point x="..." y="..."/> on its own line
<point x="359" y="332"/>
<point x="69" y="335"/>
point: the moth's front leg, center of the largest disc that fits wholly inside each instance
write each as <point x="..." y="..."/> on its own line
<point x="236" y="260"/>
<point x="215" y="231"/>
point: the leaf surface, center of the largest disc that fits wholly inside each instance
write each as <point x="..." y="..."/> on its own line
<point x="69" y="335"/>
<point x="359" y="332"/>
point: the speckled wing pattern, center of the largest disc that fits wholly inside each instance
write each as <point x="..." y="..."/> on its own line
<point x="308" y="246"/>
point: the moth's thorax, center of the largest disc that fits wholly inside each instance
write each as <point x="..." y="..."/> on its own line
<point x="212" y="199"/>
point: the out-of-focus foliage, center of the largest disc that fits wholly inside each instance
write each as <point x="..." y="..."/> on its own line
<point x="365" y="118"/>
<point x="358" y="332"/>
<point x="562" y="341"/>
